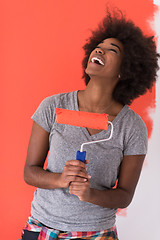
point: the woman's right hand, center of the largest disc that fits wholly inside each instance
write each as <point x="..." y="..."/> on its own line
<point x="74" y="171"/>
<point x="35" y="175"/>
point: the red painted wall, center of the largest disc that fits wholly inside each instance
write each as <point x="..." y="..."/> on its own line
<point x="40" y="55"/>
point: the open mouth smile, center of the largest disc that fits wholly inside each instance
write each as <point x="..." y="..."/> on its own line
<point x="97" y="60"/>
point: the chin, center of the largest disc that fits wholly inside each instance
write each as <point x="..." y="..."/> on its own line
<point x="90" y="72"/>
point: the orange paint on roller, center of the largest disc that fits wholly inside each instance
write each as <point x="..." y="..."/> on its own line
<point x="82" y="119"/>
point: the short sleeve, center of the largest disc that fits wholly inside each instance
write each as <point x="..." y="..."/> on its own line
<point x="44" y="115"/>
<point x="136" y="142"/>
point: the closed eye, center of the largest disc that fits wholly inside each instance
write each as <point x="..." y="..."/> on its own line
<point x="113" y="50"/>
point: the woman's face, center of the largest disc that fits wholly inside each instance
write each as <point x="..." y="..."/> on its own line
<point x="106" y="59"/>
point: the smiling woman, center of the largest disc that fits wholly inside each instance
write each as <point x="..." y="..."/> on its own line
<point x="106" y="58"/>
<point x="139" y="65"/>
<point x="72" y="200"/>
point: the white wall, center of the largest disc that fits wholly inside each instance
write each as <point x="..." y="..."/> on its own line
<point x="143" y="215"/>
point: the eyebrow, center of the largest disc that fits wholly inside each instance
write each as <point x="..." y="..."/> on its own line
<point x="113" y="44"/>
<point x="116" y="46"/>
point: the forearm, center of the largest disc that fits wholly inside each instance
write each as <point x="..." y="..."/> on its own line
<point x="38" y="177"/>
<point x="113" y="198"/>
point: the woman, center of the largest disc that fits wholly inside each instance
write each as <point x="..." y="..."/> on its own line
<point x="75" y="199"/>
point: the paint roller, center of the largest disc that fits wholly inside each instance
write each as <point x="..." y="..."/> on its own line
<point x="85" y="120"/>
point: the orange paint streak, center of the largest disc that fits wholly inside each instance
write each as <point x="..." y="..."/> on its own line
<point x="82" y="119"/>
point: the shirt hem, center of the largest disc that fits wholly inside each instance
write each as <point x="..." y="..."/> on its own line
<point x="77" y="227"/>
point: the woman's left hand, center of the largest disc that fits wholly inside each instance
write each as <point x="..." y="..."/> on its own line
<point x="81" y="189"/>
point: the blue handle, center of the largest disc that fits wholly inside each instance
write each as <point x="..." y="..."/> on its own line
<point x="81" y="156"/>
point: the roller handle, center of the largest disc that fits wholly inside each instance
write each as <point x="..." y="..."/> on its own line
<point x="81" y="156"/>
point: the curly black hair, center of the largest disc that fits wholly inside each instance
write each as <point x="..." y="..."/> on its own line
<point x="140" y="62"/>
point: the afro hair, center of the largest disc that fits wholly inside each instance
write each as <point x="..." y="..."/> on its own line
<point x="140" y="61"/>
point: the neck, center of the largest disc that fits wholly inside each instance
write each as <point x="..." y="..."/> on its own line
<point x="97" y="98"/>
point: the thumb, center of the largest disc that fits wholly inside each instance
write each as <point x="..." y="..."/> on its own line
<point x="87" y="161"/>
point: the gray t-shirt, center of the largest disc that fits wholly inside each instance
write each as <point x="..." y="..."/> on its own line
<point x="57" y="208"/>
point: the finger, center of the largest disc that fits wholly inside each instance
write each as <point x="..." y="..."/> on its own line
<point x="76" y="163"/>
<point x="75" y="168"/>
<point x="77" y="193"/>
<point x="71" y="191"/>
<point x="81" y="174"/>
<point x="87" y="161"/>
<point x="79" y="171"/>
<point x="78" y="189"/>
<point x="75" y="189"/>
<point x="76" y="179"/>
<point x="79" y="179"/>
<point x="79" y="185"/>
<point x="75" y="171"/>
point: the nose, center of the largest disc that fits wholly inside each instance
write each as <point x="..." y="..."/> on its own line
<point x="100" y="51"/>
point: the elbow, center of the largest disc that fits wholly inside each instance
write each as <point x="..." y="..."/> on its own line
<point x="125" y="200"/>
<point x="26" y="180"/>
<point x="124" y="204"/>
<point x="26" y="175"/>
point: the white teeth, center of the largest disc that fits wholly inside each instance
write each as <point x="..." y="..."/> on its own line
<point x="94" y="59"/>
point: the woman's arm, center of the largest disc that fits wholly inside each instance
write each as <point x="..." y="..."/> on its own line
<point x="35" y="175"/>
<point x="120" y="197"/>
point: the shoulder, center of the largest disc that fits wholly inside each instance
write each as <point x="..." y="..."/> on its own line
<point x="57" y="100"/>
<point x="134" y="120"/>
<point x="128" y="121"/>
<point x="136" y="134"/>
<point x="45" y="113"/>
